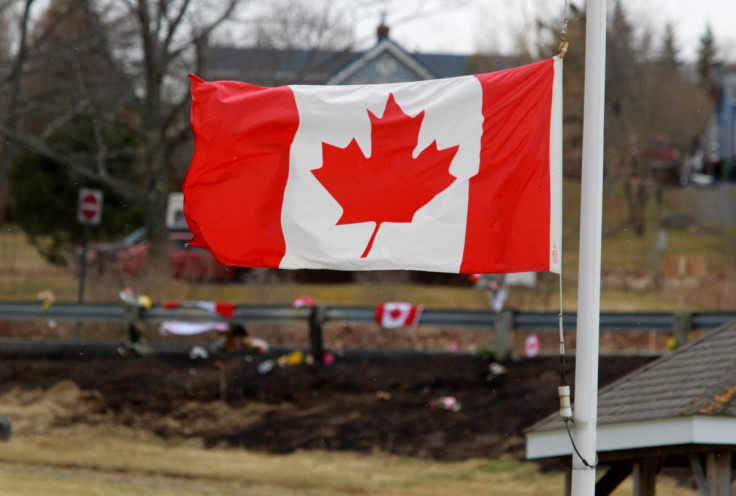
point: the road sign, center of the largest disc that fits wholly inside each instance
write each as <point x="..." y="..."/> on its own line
<point x="89" y="211"/>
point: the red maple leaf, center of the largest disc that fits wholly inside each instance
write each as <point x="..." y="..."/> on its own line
<point x="390" y="185"/>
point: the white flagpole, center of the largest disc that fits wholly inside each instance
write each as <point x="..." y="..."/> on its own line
<point x="589" y="285"/>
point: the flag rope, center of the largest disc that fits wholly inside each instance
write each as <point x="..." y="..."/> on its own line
<point x="564" y="390"/>
<point x="563" y="370"/>
<point x="563" y="380"/>
<point x="569" y="434"/>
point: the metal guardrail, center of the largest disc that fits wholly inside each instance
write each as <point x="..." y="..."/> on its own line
<point x="610" y="321"/>
<point x="62" y="311"/>
<point x="104" y="312"/>
<point x="315" y="317"/>
<point x="93" y="312"/>
<point x="640" y="321"/>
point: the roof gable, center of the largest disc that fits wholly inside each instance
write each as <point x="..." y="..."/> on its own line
<point x="385" y="62"/>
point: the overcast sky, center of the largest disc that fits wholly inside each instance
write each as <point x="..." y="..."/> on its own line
<point x="463" y="26"/>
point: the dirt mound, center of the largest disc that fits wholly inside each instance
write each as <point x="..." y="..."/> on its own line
<point x="391" y="405"/>
<point x="37" y="410"/>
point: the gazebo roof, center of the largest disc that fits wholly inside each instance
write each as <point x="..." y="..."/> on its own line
<point x="679" y="399"/>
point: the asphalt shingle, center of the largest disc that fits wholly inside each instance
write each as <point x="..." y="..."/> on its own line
<point x="697" y="379"/>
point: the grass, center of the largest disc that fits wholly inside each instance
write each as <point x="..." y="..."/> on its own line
<point x="118" y="461"/>
<point x="626" y="269"/>
<point x="622" y="249"/>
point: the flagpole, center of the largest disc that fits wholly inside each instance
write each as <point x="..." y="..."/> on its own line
<point x="589" y="285"/>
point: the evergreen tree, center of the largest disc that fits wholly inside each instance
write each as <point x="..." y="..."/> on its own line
<point x="624" y="88"/>
<point x="707" y="54"/>
<point x="670" y="57"/>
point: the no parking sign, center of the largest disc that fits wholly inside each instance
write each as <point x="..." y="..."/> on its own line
<point x="89" y="211"/>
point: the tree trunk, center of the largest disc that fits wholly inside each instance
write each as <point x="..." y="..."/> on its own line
<point x="636" y="202"/>
<point x="156" y="188"/>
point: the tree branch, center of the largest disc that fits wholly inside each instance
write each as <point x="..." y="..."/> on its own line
<point x="174" y="25"/>
<point x="83" y="168"/>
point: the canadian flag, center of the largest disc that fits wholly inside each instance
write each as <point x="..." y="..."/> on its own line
<point x="531" y="345"/>
<point x="304" y="301"/>
<point x="452" y="175"/>
<point x="222" y="309"/>
<point x="395" y="314"/>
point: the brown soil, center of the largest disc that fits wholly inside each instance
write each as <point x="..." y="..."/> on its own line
<point x="357" y="404"/>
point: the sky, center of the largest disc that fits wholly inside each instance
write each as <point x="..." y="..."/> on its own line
<point x="464" y="26"/>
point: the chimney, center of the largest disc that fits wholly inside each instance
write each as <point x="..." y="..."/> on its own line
<point x="382" y="30"/>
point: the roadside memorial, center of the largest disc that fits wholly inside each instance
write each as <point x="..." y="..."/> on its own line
<point x="445" y="403"/>
<point x="495" y="287"/>
<point x="134" y="339"/>
<point x="296" y="358"/>
<point x="47" y="298"/>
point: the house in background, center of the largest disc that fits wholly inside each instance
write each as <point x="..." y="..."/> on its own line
<point x="385" y="62"/>
<point x="720" y="140"/>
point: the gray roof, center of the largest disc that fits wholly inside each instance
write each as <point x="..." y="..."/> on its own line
<point x="697" y="379"/>
<point x="445" y="65"/>
<point x="271" y="66"/>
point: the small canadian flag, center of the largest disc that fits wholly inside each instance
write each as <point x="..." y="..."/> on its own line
<point x="531" y="346"/>
<point x="304" y="301"/>
<point x="222" y="309"/>
<point x="393" y="315"/>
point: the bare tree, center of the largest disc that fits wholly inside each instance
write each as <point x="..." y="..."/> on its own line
<point x="289" y="24"/>
<point x="130" y="78"/>
<point x="14" y="18"/>
<point x="289" y="42"/>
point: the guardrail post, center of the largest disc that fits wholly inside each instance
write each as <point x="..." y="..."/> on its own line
<point x="682" y="327"/>
<point x="503" y="324"/>
<point x="316" y="319"/>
